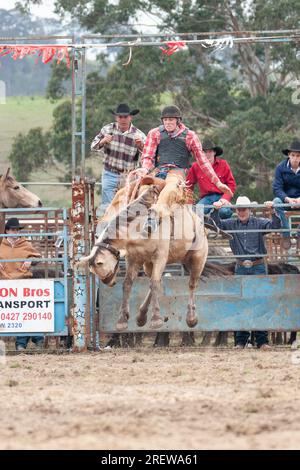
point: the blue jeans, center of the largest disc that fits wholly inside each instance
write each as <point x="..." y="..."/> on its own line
<point x="23" y="340"/>
<point x="284" y="221"/>
<point x="110" y="182"/>
<point x="225" y="212"/>
<point x="241" y="337"/>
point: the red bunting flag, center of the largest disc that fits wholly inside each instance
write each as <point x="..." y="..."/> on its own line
<point x="172" y="47"/>
<point x="46" y="52"/>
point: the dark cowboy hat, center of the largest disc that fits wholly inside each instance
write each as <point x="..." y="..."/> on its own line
<point x="209" y="145"/>
<point x="294" y="147"/>
<point x="13" y="223"/>
<point x="124" y="110"/>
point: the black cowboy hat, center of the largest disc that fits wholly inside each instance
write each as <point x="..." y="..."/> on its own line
<point x="294" y="147"/>
<point x="124" y="110"/>
<point x="13" y="223"/>
<point x="209" y="145"/>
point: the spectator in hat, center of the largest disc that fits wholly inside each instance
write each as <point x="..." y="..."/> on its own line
<point x="13" y="247"/>
<point x="209" y="193"/>
<point x="168" y="151"/>
<point x="248" y="245"/>
<point x="286" y="188"/>
<point x="122" y="144"/>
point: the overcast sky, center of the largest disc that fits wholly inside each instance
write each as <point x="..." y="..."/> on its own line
<point x="148" y="22"/>
<point x="44" y="10"/>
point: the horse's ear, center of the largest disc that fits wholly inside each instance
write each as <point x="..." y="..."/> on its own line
<point x="4" y="177"/>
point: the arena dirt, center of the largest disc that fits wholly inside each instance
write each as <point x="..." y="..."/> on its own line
<point x="151" y="399"/>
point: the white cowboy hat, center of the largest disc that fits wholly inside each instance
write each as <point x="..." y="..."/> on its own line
<point x="243" y="201"/>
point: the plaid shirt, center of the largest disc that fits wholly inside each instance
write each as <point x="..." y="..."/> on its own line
<point x="247" y="243"/>
<point x="193" y="144"/>
<point x="121" y="154"/>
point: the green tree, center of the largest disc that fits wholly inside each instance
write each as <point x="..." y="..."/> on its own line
<point x="242" y="97"/>
<point x="29" y="152"/>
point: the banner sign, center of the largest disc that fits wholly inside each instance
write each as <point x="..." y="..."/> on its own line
<point x="27" y="306"/>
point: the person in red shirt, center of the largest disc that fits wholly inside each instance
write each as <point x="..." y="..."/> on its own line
<point x="209" y="193"/>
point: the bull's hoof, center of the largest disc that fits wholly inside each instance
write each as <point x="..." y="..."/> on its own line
<point x="156" y="323"/>
<point x="141" y="320"/>
<point x="192" y="321"/>
<point x="122" y="325"/>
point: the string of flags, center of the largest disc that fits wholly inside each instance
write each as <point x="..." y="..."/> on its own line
<point x="60" y="53"/>
<point x="46" y="53"/>
<point x="218" y="44"/>
<point x="173" y="46"/>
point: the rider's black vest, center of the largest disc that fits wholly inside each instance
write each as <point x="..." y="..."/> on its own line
<point x="172" y="150"/>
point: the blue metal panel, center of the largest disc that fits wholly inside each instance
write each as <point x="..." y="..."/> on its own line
<point x="60" y="299"/>
<point x="60" y="327"/>
<point x="226" y="304"/>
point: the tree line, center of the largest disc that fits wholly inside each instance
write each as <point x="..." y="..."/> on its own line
<point x="243" y="98"/>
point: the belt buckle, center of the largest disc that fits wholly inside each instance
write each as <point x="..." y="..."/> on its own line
<point x="247" y="263"/>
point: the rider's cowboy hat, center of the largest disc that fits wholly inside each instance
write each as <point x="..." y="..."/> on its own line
<point x="124" y="110"/>
<point x="13" y="223"/>
<point x="294" y="147"/>
<point x="209" y="145"/>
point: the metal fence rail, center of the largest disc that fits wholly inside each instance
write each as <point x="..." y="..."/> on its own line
<point x="53" y="256"/>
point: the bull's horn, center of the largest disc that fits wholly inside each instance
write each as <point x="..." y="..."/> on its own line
<point x="85" y="259"/>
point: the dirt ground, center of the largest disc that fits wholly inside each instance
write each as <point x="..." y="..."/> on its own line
<point x="152" y="399"/>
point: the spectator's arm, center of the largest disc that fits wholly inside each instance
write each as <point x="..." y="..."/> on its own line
<point x="278" y="185"/>
<point x="195" y="147"/>
<point x="105" y="136"/>
<point x="271" y="224"/>
<point x="96" y="144"/>
<point x="221" y="223"/>
<point x="230" y="181"/>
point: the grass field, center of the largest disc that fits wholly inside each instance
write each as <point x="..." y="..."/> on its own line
<point x="20" y="114"/>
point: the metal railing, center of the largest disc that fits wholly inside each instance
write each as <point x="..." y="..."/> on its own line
<point x="59" y="225"/>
